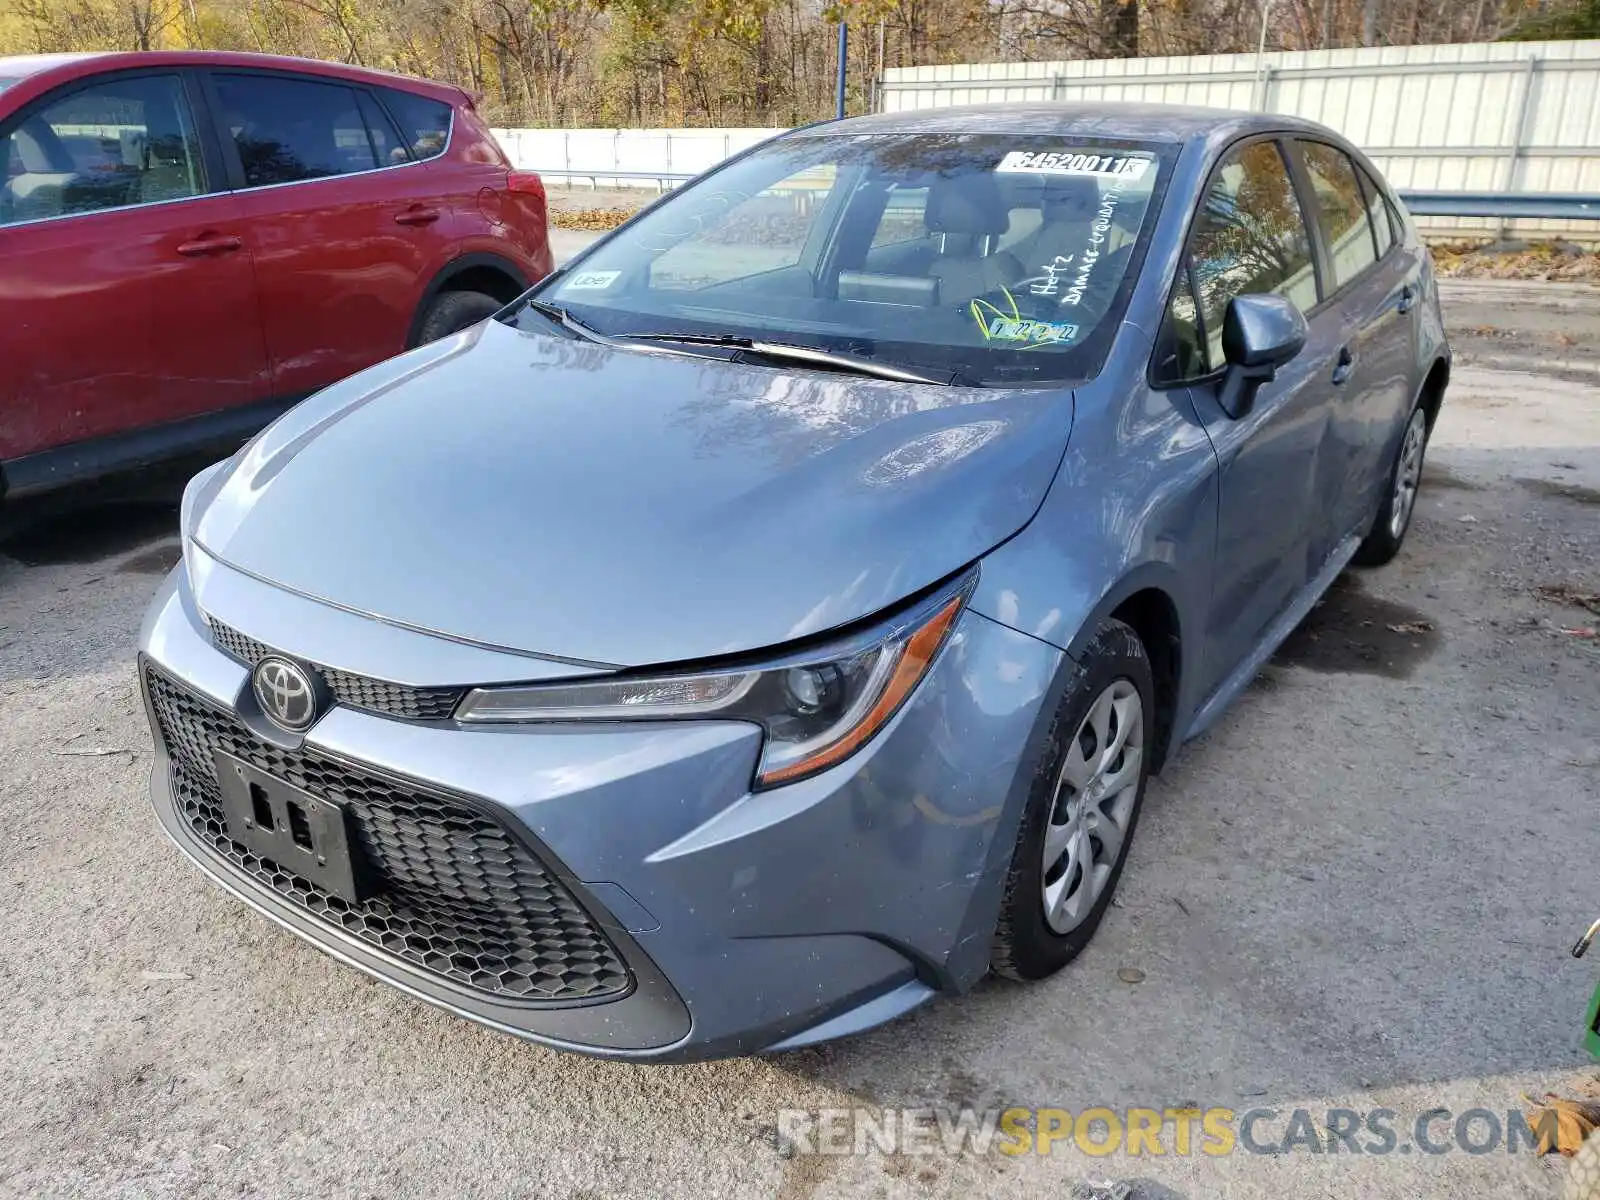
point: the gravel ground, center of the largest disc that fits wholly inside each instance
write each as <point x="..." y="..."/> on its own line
<point x="1358" y="889"/>
<point x="1545" y="328"/>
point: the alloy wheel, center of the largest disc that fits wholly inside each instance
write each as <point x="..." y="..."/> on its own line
<point x="1408" y="473"/>
<point x="1093" y="804"/>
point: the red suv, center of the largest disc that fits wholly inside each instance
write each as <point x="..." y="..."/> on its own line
<point x="191" y="242"/>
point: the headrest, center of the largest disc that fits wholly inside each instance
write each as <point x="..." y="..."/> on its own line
<point x="1079" y="192"/>
<point x="30" y="149"/>
<point x="967" y="204"/>
<point x="132" y="143"/>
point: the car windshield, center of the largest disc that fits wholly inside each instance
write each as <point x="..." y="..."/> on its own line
<point x="1002" y="260"/>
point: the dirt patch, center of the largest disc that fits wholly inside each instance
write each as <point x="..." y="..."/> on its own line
<point x="595" y="209"/>
<point x="157" y="560"/>
<point x="1561" y="593"/>
<point x="1577" y="493"/>
<point x="1351" y="631"/>
<point x="1434" y="476"/>
<point x="595" y="220"/>
<point x="1560" y="261"/>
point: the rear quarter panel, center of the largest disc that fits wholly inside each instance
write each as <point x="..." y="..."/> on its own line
<point x="484" y="217"/>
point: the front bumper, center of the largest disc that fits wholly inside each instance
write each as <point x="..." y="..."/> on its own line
<point x="746" y="922"/>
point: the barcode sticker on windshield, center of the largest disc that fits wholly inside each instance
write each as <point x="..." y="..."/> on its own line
<point x="1074" y="162"/>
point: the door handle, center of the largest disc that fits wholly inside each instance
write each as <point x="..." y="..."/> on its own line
<point x="1408" y="297"/>
<point x="417" y="216"/>
<point x="1345" y="367"/>
<point x="209" y="244"/>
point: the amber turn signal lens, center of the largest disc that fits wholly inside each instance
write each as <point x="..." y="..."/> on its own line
<point x="916" y="654"/>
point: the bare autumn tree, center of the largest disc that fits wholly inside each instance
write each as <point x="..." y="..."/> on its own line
<point x="757" y="62"/>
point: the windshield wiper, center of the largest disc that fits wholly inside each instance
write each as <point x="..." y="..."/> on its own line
<point x="554" y="312"/>
<point x="793" y="353"/>
<point x="780" y="350"/>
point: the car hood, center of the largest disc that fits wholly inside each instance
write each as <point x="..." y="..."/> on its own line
<point x="617" y="507"/>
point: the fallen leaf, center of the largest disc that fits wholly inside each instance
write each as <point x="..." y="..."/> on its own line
<point x="1130" y="974"/>
<point x="1412" y="627"/>
<point x="1574" y="1121"/>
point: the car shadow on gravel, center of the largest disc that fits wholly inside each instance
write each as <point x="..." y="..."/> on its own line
<point x="1352" y="631"/>
<point x="74" y="587"/>
<point x="94" y="534"/>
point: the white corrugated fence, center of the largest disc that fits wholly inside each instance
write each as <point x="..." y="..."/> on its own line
<point x="1484" y="117"/>
<point x="1479" y="117"/>
<point x="634" y="152"/>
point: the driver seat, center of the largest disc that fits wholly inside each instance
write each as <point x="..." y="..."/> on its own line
<point x="1067" y="209"/>
<point x="968" y="213"/>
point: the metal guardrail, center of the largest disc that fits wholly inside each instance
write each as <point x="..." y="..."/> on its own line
<point x="660" y="178"/>
<point x="1505" y="206"/>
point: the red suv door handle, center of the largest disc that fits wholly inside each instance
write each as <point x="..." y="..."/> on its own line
<point x="417" y="216"/>
<point x="209" y="244"/>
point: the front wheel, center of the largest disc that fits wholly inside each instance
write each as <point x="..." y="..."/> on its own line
<point x="451" y="312"/>
<point x="1081" y="812"/>
<point x="1394" y="517"/>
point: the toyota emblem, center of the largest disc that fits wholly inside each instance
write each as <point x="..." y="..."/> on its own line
<point x="285" y="692"/>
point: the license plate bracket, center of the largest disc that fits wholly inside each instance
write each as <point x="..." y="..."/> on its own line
<point x="304" y="834"/>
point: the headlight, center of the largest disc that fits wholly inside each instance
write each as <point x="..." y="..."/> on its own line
<point x="197" y="493"/>
<point x="199" y="485"/>
<point x="816" y="706"/>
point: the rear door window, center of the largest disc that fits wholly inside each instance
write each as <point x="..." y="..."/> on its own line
<point x="425" y="123"/>
<point x="290" y="130"/>
<point x="1377" y="212"/>
<point x="1341" y="211"/>
<point x="112" y="145"/>
<point x="384" y="143"/>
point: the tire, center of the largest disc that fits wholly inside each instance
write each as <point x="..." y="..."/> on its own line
<point x="1389" y="527"/>
<point x="451" y="312"/>
<point x="1066" y="803"/>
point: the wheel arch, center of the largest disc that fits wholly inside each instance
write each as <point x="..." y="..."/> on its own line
<point x="1146" y="600"/>
<point x="1431" y="394"/>
<point x="492" y="274"/>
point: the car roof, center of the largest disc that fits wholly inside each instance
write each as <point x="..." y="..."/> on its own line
<point x="1172" y="123"/>
<point x="20" y="66"/>
<point x="72" y="66"/>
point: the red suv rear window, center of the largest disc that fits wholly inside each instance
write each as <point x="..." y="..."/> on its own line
<point x="424" y="123"/>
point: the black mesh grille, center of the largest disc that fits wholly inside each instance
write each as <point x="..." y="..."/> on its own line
<point x="357" y="691"/>
<point x="458" y="895"/>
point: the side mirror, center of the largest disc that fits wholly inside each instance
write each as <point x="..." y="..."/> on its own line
<point x="1259" y="334"/>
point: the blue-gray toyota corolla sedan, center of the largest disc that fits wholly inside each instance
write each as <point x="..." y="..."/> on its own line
<point x="770" y="622"/>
